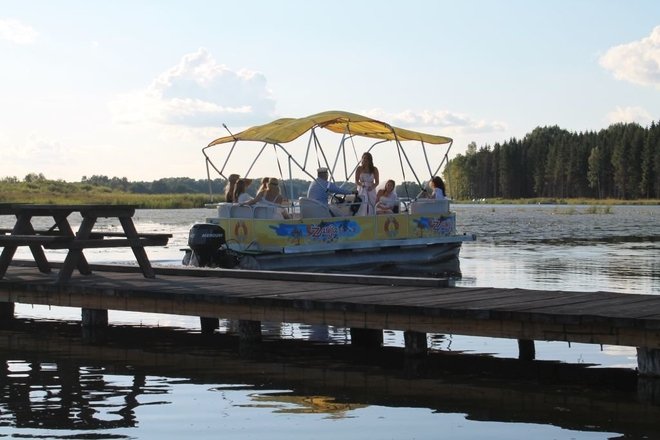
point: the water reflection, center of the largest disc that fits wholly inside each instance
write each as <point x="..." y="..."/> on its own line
<point x="53" y="382"/>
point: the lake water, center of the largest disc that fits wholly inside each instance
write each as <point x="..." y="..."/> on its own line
<point x="157" y="377"/>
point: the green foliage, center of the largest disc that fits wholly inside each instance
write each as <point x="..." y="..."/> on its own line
<point x="621" y="161"/>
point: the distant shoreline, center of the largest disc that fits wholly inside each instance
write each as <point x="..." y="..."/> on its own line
<point x="182" y="201"/>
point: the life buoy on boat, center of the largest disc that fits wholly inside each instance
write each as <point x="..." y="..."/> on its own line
<point x="391" y="227"/>
<point x="240" y="231"/>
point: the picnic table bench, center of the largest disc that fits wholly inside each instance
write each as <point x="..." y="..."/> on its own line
<point x="61" y="236"/>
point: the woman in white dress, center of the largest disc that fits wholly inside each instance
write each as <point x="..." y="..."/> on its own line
<point x="388" y="201"/>
<point x="366" y="178"/>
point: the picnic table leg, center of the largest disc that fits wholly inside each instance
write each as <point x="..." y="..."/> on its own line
<point x="73" y="257"/>
<point x="24" y="226"/>
<point x="62" y="223"/>
<point x="138" y="249"/>
<point x="5" y="259"/>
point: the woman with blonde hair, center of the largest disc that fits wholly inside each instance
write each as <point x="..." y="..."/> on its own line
<point x="271" y="197"/>
<point x="264" y="185"/>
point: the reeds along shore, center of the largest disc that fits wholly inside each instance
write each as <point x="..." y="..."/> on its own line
<point x="56" y="192"/>
<point x="183" y="201"/>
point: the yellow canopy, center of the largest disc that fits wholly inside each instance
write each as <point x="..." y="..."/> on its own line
<point x="287" y="129"/>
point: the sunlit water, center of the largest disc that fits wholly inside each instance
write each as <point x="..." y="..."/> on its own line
<point x="533" y="247"/>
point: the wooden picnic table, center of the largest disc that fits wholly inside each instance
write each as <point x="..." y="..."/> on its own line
<point x="61" y="236"/>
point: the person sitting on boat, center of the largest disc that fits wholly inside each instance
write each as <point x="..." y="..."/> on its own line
<point x="387" y="199"/>
<point x="271" y="197"/>
<point x="231" y="188"/>
<point x="366" y="178"/>
<point x="264" y="185"/>
<point x="320" y="188"/>
<point x="437" y="186"/>
<point x="240" y="193"/>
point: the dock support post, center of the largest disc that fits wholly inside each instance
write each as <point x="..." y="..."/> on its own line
<point x="526" y="350"/>
<point x="648" y="361"/>
<point x="366" y="337"/>
<point x="249" y="331"/>
<point x="209" y="325"/>
<point x="94" y="318"/>
<point x="6" y="311"/>
<point x="94" y="325"/>
<point x="415" y="343"/>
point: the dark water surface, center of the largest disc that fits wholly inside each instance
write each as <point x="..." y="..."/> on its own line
<point x="157" y="377"/>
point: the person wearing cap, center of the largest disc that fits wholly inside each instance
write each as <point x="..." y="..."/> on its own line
<point x="320" y="188"/>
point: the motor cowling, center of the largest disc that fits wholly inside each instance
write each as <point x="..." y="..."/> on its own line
<point x="207" y="242"/>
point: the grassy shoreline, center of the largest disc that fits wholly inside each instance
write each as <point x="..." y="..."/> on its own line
<point x="178" y="201"/>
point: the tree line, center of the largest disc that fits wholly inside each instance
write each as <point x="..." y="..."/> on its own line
<point x="620" y="162"/>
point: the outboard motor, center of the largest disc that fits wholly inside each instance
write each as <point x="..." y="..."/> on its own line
<point x="207" y="242"/>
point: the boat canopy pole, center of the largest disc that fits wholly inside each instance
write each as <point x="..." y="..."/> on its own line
<point x="256" y="158"/>
<point x="426" y="158"/>
<point x="339" y="150"/>
<point x="277" y="158"/>
<point x="317" y="145"/>
<point x="208" y="178"/>
<point x="399" y="147"/>
<point x="309" y="144"/>
<point x="445" y="159"/>
<point x="210" y="163"/>
<point x="290" y="181"/>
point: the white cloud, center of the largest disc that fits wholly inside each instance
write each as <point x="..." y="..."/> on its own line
<point x="456" y="123"/>
<point x="637" y="62"/>
<point x="198" y="92"/>
<point x="16" y="32"/>
<point x="629" y="114"/>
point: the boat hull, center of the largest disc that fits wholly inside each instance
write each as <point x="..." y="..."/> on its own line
<point x="424" y="260"/>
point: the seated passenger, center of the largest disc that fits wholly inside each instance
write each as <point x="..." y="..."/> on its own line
<point x="264" y="185"/>
<point x="437" y="187"/>
<point x="231" y="188"/>
<point x="240" y="194"/>
<point x="387" y="201"/>
<point x="271" y="196"/>
<point x="320" y="188"/>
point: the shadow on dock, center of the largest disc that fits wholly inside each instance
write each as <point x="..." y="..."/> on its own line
<point x="329" y="379"/>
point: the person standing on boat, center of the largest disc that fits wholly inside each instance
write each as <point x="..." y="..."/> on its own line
<point x="320" y="188"/>
<point x="366" y="178"/>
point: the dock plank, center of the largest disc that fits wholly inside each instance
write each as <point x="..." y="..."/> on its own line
<point x="593" y="317"/>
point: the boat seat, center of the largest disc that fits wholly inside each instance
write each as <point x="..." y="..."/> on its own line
<point x="241" y="211"/>
<point x="224" y="210"/>
<point x="429" y="206"/>
<point x="310" y="208"/>
<point x="264" y="211"/>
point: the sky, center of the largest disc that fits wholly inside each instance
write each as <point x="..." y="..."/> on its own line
<point x="136" y="88"/>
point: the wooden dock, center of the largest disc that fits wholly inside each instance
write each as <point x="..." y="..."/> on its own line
<point x="366" y="305"/>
